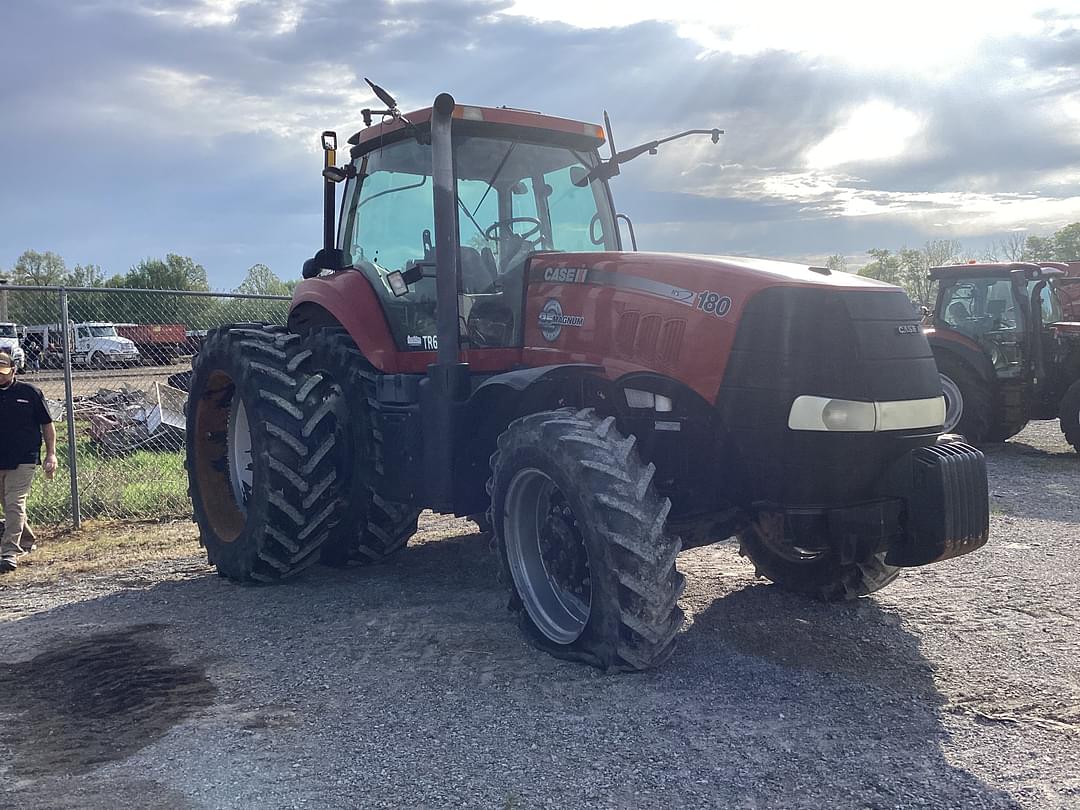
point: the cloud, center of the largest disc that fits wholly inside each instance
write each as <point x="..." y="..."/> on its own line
<point x="140" y="128"/>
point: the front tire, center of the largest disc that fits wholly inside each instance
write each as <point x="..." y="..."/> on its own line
<point x="809" y="565"/>
<point x="969" y="405"/>
<point x="1069" y="415"/>
<point x="260" y="453"/>
<point x="581" y="537"/>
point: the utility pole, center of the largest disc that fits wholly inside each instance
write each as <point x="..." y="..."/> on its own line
<point x="5" y="279"/>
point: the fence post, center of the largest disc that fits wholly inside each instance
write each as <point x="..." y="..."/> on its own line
<point x="69" y="406"/>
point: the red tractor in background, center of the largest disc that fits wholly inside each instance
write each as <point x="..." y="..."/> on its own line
<point x="1068" y="289"/>
<point x="472" y="338"/>
<point x="1006" y="347"/>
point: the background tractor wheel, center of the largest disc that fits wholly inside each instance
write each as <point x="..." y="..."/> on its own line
<point x="369" y="528"/>
<point x="1069" y="415"/>
<point x="969" y="405"/>
<point x="581" y="536"/>
<point x="809" y="565"/>
<point x="260" y="453"/>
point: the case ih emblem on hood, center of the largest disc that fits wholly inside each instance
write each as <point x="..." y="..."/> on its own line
<point x="908" y="329"/>
<point x="552" y="320"/>
<point x="568" y="275"/>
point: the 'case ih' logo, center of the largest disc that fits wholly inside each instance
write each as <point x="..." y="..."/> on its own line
<point x="569" y="275"/>
<point x="552" y="320"/>
<point x="908" y="329"/>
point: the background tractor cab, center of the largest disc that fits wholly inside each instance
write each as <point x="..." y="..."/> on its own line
<point x="1006" y="350"/>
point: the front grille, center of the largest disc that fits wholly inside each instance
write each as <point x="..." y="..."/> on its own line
<point x="948" y="508"/>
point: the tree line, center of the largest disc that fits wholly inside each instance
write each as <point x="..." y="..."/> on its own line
<point x="909" y="267"/>
<point x="130" y="303"/>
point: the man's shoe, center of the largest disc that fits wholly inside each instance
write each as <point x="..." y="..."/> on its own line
<point x="7" y="565"/>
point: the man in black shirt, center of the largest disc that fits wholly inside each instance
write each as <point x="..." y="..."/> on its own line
<point x="24" y="420"/>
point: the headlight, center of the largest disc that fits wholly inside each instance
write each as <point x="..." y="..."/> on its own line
<point x="823" y="413"/>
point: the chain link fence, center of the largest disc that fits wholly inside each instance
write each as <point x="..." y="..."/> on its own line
<point x="114" y="365"/>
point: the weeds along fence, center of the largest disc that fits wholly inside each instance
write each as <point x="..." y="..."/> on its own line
<point x="114" y="365"/>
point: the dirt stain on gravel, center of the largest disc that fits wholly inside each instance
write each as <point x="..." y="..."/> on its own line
<point x="96" y="699"/>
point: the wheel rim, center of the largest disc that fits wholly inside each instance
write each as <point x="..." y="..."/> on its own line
<point x="954" y="402"/>
<point x="239" y="449"/>
<point x="548" y="558"/>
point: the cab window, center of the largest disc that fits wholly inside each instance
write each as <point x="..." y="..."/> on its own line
<point x="977" y="306"/>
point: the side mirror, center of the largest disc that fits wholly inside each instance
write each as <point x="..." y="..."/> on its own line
<point x="579" y="176"/>
<point x="326" y="259"/>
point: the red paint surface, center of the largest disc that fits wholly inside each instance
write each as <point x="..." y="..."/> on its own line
<point x="706" y="339"/>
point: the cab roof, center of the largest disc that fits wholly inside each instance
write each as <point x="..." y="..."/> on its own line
<point x="505" y="116"/>
<point x="983" y="269"/>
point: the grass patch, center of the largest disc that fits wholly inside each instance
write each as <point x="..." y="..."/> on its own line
<point x="143" y="485"/>
<point x="104" y="547"/>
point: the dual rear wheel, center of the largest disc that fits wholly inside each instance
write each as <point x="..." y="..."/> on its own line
<point x="276" y="430"/>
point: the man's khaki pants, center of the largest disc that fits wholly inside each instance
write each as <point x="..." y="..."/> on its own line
<point x="14" y="487"/>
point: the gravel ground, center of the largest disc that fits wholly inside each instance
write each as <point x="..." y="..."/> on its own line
<point x="408" y="685"/>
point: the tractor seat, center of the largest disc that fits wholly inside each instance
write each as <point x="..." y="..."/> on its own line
<point x="478" y="271"/>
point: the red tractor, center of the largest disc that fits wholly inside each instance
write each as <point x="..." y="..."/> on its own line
<point x="1006" y="348"/>
<point x="473" y="339"/>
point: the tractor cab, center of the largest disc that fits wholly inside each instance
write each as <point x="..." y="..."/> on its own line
<point x="1001" y="308"/>
<point x="522" y="184"/>
<point x="1002" y="344"/>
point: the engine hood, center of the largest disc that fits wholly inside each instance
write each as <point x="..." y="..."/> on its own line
<point x="767" y="272"/>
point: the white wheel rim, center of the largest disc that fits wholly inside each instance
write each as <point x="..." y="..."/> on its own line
<point x="556" y="610"/>
<point x="241" y="472"/>
<point x="954" y="402"/>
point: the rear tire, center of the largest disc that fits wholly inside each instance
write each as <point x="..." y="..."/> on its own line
<point x="819" y="574"/>
<point x="969" y="404"/>
<point x="581" y="537"/>
<point x="1069" y="415"/>
<point x="260" y="450"/>
<point x="370" y="528"/>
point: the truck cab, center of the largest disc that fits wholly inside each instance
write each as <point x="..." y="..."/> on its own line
<point x="9" y="342"/>
<point x="95" y="344"/>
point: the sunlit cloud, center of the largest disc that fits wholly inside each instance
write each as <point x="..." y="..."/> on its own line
<point x="876" y="130"/>
<point x="919" y="36"/>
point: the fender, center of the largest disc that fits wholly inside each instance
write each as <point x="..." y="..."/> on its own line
<point x="350" y="300"/>
<point x="945" y="340"/>
<point x="504" y="397"/>
<point x="527" y="390"/>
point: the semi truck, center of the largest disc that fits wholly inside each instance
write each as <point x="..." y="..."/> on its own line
<point x="9" y="342"/>
<point x="95" y="344"/>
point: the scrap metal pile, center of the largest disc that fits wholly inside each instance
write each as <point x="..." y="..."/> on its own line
<point x="126" y="420"/>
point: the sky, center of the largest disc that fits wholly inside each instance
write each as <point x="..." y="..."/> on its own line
<point x="136" y="128"/>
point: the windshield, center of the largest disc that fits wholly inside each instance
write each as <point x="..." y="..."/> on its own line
<point x="103" y="331"/>
<point x="514" y="197"/>
<point x="7" y="330"/>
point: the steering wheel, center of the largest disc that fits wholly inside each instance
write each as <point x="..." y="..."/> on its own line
<point x="492" y="233"/>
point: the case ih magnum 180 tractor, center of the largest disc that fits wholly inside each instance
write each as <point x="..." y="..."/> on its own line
<point x="472" y="338"/>
<point x="1007" y="348"/>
